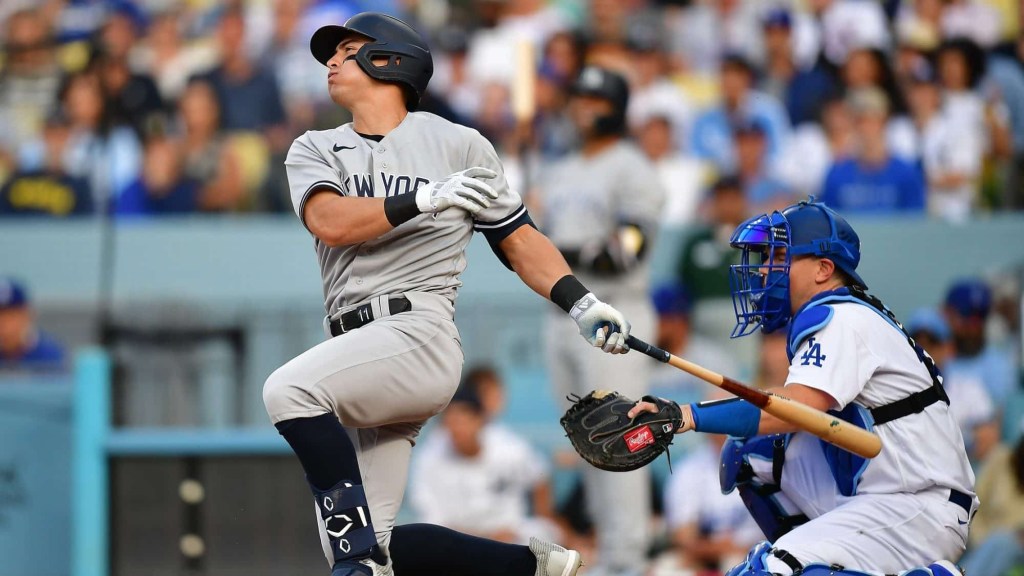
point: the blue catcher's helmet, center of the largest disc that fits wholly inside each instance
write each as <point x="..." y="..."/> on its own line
<point x="760" y="285"/>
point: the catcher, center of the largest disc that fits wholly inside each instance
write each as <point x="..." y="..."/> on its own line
<point x="823" y="510"/>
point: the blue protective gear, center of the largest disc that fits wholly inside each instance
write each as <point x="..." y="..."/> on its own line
<point x="762" y="494"/>
<point x="756" y="564"/>
<point x="732" y="416"/>
<point x="760" y="283"/>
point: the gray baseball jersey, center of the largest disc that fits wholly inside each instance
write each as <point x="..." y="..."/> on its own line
<point x="425" y="254"/>
<point x="586" y="199"/>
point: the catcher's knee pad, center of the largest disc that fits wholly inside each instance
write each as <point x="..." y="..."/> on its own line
<point x="754" y="466"/>
<point x="753" y="565"/>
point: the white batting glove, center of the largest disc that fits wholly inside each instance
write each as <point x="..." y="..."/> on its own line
<point x="461" y="189"/>
<point x="600" y="324"/>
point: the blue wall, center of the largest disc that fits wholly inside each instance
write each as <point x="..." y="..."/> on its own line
<point x="269" y="260"/>
<point x="261" y="272"/>
<point x="36" y="488"/>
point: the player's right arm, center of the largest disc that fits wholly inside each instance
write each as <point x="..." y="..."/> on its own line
<point x="339" y="220"/>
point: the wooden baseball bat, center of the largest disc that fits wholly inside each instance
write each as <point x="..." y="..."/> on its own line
<point x="825" y="426"/>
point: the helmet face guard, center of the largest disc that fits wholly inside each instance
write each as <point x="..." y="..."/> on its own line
<point x="760" y="282"/>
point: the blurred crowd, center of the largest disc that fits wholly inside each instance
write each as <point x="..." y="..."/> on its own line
<point x="178" y="106"/>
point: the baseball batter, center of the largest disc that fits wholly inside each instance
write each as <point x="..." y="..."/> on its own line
<point x="825" y="510"/>
<point x="601" y="207"/>
<point x="392" y="199"/>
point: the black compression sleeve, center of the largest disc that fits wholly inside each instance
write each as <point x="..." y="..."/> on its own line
<point x="401" y="208"/>
<point x="567" y="291"/>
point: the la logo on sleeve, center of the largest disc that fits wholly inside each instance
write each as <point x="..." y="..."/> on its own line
<point x="813" y="354"/>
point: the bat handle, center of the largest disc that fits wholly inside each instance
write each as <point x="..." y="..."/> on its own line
<point x="651" y="350"/>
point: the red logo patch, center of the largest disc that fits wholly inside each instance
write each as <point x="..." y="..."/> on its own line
<point x="637" y="439"/>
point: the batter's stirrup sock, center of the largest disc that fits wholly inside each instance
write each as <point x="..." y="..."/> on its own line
<point x="346" y="517"/>
<point x="323" y="447"/>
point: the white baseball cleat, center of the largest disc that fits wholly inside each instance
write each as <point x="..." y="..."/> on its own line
<point x="553" y="560"/>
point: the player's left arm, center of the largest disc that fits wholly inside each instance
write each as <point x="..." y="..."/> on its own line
<point x="541" y="267"/>
<point x="734" y="410"/>
<point x="525" y="250"/>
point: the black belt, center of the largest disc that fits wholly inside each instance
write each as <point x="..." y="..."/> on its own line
<point x="363" y="315"/>
<point x="961" y="499"/>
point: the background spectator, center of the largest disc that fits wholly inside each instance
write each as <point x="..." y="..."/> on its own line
<point x="711" y="531"/>
<point x="873" y="180"/>
<point x="163" y="187"/>
<point x="764" y="192"/>
<point x="481" y="480"/>
<point x="210" y="157"/>
<point x="969" y="401"/>
<point x="712" y="130"/>
<point x="29" y="81"/>
<point x="997" y="530"/>
<point x="703" y="271"/>
<point x="952" y="157"/>
<point x="48" y="188"/>
<point x="22" y="345"/>
<point x="676" y="335"/>
<point x="169" y="57"/>
<point x="968" y="303"/>
<point x="816" y="146"/>
<point x="801" y="86"/>
<point x="108" y="155"/>
<point x="681" y="176"/>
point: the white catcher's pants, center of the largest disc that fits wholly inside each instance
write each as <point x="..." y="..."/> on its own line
<point x="877" y="533"/>
<point x="618" y="502"/>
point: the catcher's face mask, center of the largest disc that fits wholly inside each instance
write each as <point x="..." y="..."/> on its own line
<point x="760" y="282"/>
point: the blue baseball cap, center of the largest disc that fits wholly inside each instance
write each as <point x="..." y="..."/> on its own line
<point x="12" y="294"/>
<point x="671" y="300"/>
<point x="929" y="320"/>
<point x="778" y="17"/>
<point x="969" y="297"/>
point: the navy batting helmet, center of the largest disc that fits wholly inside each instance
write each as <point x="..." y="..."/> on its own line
<point x="605" y="84"/>
<point x="408" y="57"/>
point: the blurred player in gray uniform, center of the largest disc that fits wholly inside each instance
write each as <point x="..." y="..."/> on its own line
<point x="601" y="207"/>
<point x="392" y="199"/>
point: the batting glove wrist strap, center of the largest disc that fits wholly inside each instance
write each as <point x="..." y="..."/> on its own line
<point x="733" y="417"/>
<point x="400" y="209"/>
<point x="567" y="292"/>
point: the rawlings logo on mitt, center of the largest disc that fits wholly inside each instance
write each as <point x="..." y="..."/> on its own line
<point x="602" y="433"/>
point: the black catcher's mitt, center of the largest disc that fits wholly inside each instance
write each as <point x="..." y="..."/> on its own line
<point x="602" y="433"/>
